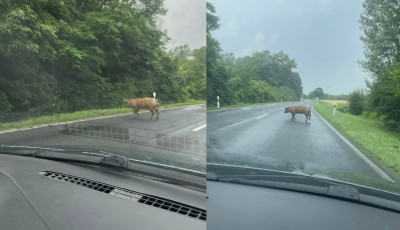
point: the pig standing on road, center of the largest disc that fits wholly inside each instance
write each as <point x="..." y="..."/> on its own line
<point x="143" y="103"/>
<point x="299" y="109"/>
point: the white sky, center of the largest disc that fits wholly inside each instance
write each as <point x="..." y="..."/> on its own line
<point x="185" y="23"/>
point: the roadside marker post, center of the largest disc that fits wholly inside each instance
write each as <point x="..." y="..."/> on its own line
<point x="218" y="102"/>
<point x="154" y="95"/>
<point x="334" y="108"/>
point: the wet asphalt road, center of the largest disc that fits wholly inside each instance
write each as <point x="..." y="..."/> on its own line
<point x="189" y="122"/>
<point x="264" y="136"/>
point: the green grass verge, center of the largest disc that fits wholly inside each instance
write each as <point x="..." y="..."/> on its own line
<point x="210" y="108"/>
<point x="370" y="135"/>
<point x="191" y="102"/>
<point x="63" y="117"/>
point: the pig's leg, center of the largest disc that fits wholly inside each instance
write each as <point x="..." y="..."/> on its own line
<point x="152" y="113"/>
<point x="133" y="109"/>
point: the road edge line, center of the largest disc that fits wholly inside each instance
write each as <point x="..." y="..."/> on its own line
<point x="356" y="150"/>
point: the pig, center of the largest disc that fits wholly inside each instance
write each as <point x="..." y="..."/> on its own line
<point x="143" y="103"/>
<point x="306" y="110"/>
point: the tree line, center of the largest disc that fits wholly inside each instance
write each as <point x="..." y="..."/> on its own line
<point x="319" y="92"/>
<point x="380" y="23"/>
<point x="71" y="55"/>
<point x="261" y="77"/>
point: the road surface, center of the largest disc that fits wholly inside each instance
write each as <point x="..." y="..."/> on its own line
<point x="264" y="136"/>
<point x="177" y="138"/>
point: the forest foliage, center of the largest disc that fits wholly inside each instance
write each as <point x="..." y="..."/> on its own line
<point x="70" y="55"/>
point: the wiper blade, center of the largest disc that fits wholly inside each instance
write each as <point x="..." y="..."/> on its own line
<point x="304" y="183"/>
<point x="101" y="157"/>
<point x="167" y="173"/>
<point x="84" y="156"/>
<point x="297" y="183"/>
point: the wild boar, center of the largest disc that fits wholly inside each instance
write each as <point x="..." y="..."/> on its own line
<point x="306" y="110"/>
<point x="143" y="103"/>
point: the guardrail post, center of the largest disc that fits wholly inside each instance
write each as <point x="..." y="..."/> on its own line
<point x="334" y="108"/>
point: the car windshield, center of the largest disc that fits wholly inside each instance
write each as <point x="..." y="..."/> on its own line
<point x="307" y="87"/>
<point x="114" y="76"/>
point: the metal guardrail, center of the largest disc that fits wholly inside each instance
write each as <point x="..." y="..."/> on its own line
<point x="159" y="139"/>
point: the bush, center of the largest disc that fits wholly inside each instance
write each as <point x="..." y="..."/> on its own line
<point x="369" y="115"/>
<point x="5" y="106"/>
<point x="357" y="102"/>
<point x="344" y="108"/>
<point x="393" y="125"/>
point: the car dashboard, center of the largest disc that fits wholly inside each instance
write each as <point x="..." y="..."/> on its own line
<point x="237" y="206"/>
<point x="46" y="194"/>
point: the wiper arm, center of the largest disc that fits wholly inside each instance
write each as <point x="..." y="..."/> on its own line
<point x="103" y="158"/>
<point x="294" y="182"/>
<point x="84" y="156"/>
<point x="167" y="173"/>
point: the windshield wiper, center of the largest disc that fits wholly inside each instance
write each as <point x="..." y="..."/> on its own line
<point x="311" y="184"/>
<point x="167" y="173"/>
<point x="101" y="158"/>
<point x="295" y="182"/>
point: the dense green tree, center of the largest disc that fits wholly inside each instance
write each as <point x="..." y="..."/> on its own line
<point x="380" y="22"/>
<point x="78" y="54"/>
<point x="217" y="74"/>
<point x="357" y="101"/>
<point x="318" y="92"/>
<point x="275" y="69"/>
<point x="191" y="71"/>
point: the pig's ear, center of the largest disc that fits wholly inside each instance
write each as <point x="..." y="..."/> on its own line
<point x="126" y="100"/>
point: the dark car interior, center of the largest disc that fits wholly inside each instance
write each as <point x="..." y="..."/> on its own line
<point x="46" y="194"/>
<point x="238" y="206"/>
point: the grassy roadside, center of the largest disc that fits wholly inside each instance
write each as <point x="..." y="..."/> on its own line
<point x="210" y="108"/>
<point x="64" y="117"/>
<point x="370" y="135"/>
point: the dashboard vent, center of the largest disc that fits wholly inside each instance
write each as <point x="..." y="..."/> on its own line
<point x="95" y="185"/>
<point x="127" y="194"/>
<point x="174" y="207"/>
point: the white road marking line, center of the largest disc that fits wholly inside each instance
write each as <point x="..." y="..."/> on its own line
<point x="358" y="152"/>
<point x="200" y="127"/>
<point x="262" y="116"/>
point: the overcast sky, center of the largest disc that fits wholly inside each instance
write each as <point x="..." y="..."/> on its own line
<point x="323" y="36"/>
<point x="185" y="23"/>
